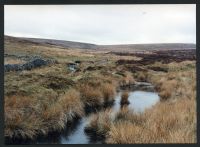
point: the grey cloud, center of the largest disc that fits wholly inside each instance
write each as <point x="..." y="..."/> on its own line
<point x="110" y="24"/>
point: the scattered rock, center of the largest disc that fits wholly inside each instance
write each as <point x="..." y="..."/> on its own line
<point x="34" y="63"/>
<point x="12" y="67"/>
<point x="72" y="66"/>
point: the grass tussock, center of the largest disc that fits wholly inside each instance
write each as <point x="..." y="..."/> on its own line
<point x="68" y="106"/>
<point x="141" y="76"/>
<point x="124" y="98"/>
<point x="19" y="117"/>
<point x="166" y="88"/>
<point x="127" y="79"/>
<point x="91" y="96"/>
<point x="43" y="100"/>
<point x="178" y="83"/>
<point x="170" y="121"/>
<point x="20" y="111"/>
<point x="71" y="102"/>
<point x="126" y="115"/>
<point x="165" y="123"/>
<point x="97" y="91"/>
<point x="13" y="61"/>
<point x="100" y="123"/>
<point x="108" y="90"/>
<point x="125" y="133"/>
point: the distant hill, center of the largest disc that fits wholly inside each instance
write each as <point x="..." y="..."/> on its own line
<point x="163" y="46"/>
<point x="61" y="43"/>
<point x="80" y="45"/>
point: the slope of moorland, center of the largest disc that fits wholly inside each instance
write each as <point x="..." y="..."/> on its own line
<point x="44" y="99"/>
<point x="125" y="47"/>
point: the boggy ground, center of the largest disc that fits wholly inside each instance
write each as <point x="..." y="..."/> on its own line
<point x="44" y="99"/>
<point x="173" y="120"/>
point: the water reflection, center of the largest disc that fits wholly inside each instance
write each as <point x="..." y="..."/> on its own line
<point x="74" y="132"/>
<point x="139" y="101"/>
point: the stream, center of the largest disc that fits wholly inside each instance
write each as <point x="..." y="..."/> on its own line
<point x="139" y="101"/>
<point x="74" y="132"/>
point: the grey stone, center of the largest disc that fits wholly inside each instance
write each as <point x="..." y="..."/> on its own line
<point x="34" y="63"/>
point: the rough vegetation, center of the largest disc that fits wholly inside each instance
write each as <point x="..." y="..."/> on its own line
<point x="44" y="99"/>
<point x="26" y="118"/>
<point x="124" y="98"/>
<point x="173" y="120"/>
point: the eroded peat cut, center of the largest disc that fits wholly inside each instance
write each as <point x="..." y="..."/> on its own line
<point x="99" y="96"/>
<point x="163" y="56"/>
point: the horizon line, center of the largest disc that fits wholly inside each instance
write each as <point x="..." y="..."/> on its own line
<point x="96" y="43"/>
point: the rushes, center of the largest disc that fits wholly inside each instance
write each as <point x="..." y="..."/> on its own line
<point x="64" y="110"/>
<point x="35" y="104"/>
<point x="97" y="95"/>
<point x="142" y="76"/>
<point x="91" y="96"/>
<point x="167" y="122"/>
<point x="108" y="91"/>
<point x="125" y="133"/>
<point x="71" y="102"/>
<point x="167" y="88"/>
<point x="127" y="79"/>
<point x="124" y="98"/>
<point x="100" y="123"/>
<point x="19" y="116"/>
<point x="33" y="108"/>
<point x="170" y="121"/>
<point x="24" y="118"/>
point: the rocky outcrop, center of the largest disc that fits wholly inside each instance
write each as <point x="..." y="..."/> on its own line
<point x="34" y="63"/>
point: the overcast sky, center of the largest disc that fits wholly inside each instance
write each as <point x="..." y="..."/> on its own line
<point x="104" y="24"/>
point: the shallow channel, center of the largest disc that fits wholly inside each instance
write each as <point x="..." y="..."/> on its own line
<point x="74" y="132"/>
<point x="139" y="101"/>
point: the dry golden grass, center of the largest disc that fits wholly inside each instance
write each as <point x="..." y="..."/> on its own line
<point x="170" y="121"/>
<point x="165" y="123"/>
<point x="124" y="98"/>
<point x="71" y="104"/>
<point x="116" y="57"/>
<point x="167" y="88"/>
<point x="108" y="90"/>
<point x="13" y="61"/>
<point x="179" y="82"/>
<point x="100" y="123"/>
<point x="19" y="116"/>
<point x="91" y="96"/>
<point x="35" y="101"/>
<point x="65" y="109"/>
<point x="97" y="89"/>
<point x="26" y="118"/>
<point x="126" y="115"/>
<point x="128" y="79"/>
<point x="125" y="133"/>
<point x="142" y="76"/>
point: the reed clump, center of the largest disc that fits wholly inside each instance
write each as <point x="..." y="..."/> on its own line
<point x="100" y="123"/>
<point x="124" y="98"/>
<point x="20" y="111"/>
